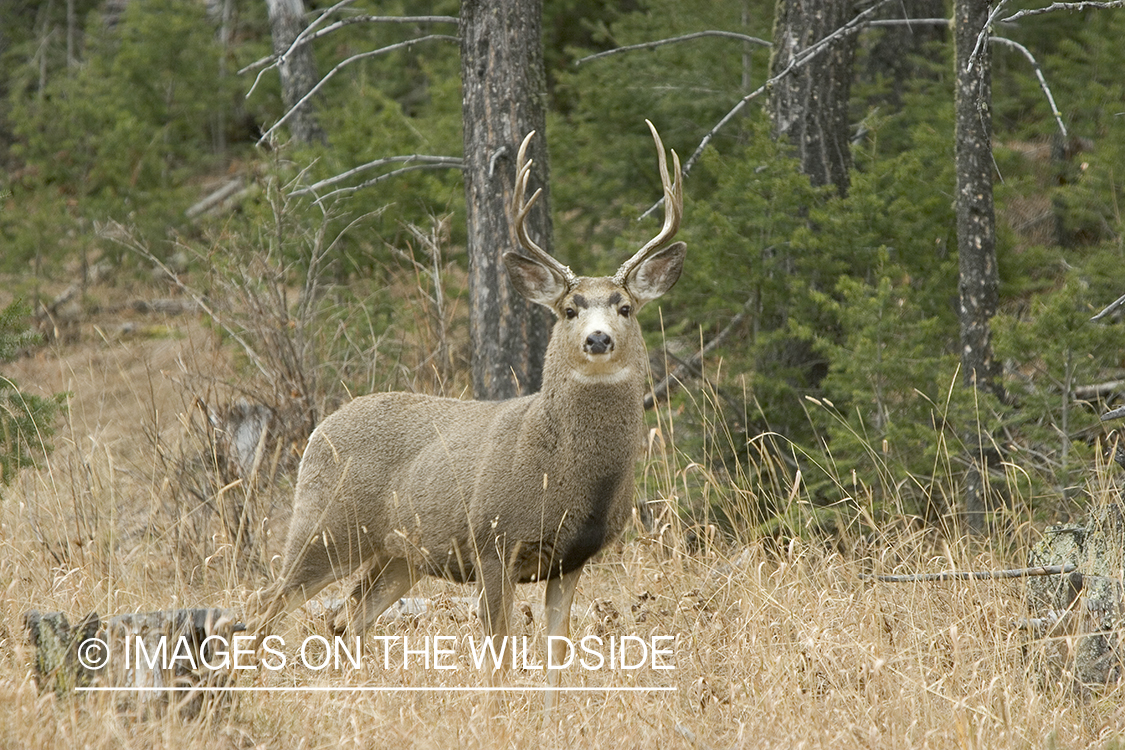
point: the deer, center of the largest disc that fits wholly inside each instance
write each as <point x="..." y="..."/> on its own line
<point x="397" y="486"/>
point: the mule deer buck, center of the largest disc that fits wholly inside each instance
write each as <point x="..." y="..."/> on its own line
<point x="397" y="485"/>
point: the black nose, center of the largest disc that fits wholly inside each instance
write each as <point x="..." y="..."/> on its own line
<point x="599" y="343"/>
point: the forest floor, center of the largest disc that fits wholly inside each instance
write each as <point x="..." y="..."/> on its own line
<point x="771" y="645"/>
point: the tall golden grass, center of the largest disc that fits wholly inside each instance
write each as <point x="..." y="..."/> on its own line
<point x="778" y="642"/>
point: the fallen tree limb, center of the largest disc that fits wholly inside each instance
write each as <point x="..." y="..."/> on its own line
<point x="974" y="575"/>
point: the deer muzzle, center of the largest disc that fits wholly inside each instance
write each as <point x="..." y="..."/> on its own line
<point x="598" y="342"/>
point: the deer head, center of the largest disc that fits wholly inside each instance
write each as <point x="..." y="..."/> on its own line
<point x="596" y="324"/>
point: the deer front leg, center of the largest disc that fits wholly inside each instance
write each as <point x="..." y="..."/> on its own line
<point x="557" y="603"/>
<point x="495" y="605"/>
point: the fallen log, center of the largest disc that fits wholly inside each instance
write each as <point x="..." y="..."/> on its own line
<point x="144" y="652"/>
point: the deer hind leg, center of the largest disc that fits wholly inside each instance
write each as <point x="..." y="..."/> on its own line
<point x="557" y="603"/>
<point x="270" y="605"/>
<point x="382" y="584"/>
<point x="309" y="567"/>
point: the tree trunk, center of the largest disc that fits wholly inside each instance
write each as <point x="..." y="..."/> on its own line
<point x="504" y="97"/>
<point x="976" y="220"/>
<point x="298" y="69"/>
<point x="810" y="105"/>
<point x="979" y="279"/>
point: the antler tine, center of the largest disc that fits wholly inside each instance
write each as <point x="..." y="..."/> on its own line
<point x="673" y="207"/>
<point x="521" y="209"/>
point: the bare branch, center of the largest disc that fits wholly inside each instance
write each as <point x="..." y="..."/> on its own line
<point x="297" y="42"/>
<point x="975" y="575"/>
<point x="343" y="63"/>
<point x="673" y="40"/>
<point x="1112" y="306"/>
<point x="1064" y="6"/>
<point x="800" y="59"/>
<point x="994" y="17"/>
<point x="450" y="162"/>
<point x="983" y="36"/>
<point x="1038" y="74"/>
<point x="444" y="161"/>
<point x="909" y="22"/>
<point x="115" y="232"/>
<point x="307" y="38"/>
<point x="691" y="365"/>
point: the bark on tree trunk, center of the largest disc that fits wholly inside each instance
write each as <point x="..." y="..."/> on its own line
<point x="810" y="106"/>
<point x="504" y="97"/>
<point x="976" y="221"/>
<point x="976" y="236"/>
<point x="298" y="70"/>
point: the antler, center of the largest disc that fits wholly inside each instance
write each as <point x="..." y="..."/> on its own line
<point x="521" y="210"/>
<point x="673" y="208"/>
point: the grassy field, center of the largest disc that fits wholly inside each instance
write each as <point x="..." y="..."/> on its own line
<point x="774" y="645"/>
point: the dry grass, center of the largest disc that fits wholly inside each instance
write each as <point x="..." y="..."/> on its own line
<point x="775" y="645"/>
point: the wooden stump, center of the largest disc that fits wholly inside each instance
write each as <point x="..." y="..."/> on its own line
<point x="159" y="655"/>
<point x="1079" y="616"/>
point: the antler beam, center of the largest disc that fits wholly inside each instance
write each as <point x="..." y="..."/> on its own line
<point x="673" y="208"/>
<point x="520" y="210"/>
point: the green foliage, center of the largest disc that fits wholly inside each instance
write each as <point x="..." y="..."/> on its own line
<point x="848" y="348"/>
<point x="119" y="133"/>
<point x="1057" y="349"/>
<point x="26" y="421"/>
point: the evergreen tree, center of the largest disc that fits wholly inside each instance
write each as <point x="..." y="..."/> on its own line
<point x="26" y="421"/>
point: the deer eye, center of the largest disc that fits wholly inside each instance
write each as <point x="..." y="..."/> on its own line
<point x="625" y="311"/>
<point x="571" y="313"/>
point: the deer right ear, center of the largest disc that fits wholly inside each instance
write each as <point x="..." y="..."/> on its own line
<point x="534" y="280"/>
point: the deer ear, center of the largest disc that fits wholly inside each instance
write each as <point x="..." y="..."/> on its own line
<point x="534" y="280"/>
<point x="656" y="274"/>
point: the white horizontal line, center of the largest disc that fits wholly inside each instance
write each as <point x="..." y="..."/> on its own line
<point x="369" y="689"/>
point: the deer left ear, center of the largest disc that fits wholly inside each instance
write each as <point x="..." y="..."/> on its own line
<point x="534" y="280"/>
<point x="656" y="274"/>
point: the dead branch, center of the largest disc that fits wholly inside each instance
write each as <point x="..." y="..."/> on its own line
<point x="269" y="62"/>
<point x="798" y="61"/>
<point x="687" y="367"/>
<point x="217" y="198"/>
<point x="1110" y="308"/>
<point x="909" y="22"/>
<point x="1063" y="6"/>
<point x="975" y="575"/>
<point x="307" y="38"/>
<point x="344" y="63"/>
<point x="115" y="232"/>
<point x="452" y="162"/>
<point x="1038" y="74"/>
<point x="1097" y="390"/>
<point x="673" y="40"/>
<point x="994" y="17"/>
